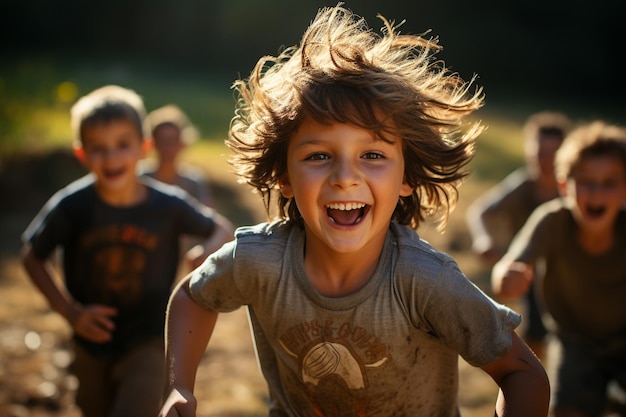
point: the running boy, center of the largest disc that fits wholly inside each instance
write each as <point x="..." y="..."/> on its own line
<point x="582" y="241"/>
<point x="352" y="313"/>
<point x="120" y="237"/>
<point x="495" y="217"/>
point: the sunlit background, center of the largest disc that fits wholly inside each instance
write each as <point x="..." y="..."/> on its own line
<point x="528" y="55"/>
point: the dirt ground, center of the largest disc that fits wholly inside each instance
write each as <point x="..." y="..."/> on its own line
<point x="34" y="341"/>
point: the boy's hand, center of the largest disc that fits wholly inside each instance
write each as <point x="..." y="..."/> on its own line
<point x="516" y="281"/>
<point x="94" y="323"/>
<point x="179" y="403"/>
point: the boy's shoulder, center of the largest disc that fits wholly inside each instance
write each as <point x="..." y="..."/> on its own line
<point x="75" y="192"/>
<point x="552" y="217"/>
<point x="515" y="185"/>
<point x="410" y="239"/>
<point x="408" y="236"/>
<point x="163" y="192"/>
<point x="410" y="244"/>
<point x="276" y="231"/>
<point x="554" y="209"/>
<point x="262" y="247"/>
<point x="517" y="178"/>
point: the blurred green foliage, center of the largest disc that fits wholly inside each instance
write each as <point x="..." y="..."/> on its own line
<point x="36" y="95"/>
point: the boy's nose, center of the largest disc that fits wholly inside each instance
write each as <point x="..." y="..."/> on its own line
<point x="111" y="153"/>
<point x="345" y="174"/>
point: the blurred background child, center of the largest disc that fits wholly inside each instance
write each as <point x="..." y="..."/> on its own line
<point x="119" y="235"/>
<point x="495" y="217"/>
<point x="581" y="240"/>
<point x="172" y="132"/>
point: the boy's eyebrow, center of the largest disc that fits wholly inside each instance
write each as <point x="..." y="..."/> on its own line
<point x="317" y="141"/>
<point x="309" y="141"/>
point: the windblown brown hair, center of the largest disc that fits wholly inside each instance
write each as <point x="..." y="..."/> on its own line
<point x="346" y="73"/>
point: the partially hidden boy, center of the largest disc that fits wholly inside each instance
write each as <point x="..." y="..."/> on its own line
<point x="119" y="237"/>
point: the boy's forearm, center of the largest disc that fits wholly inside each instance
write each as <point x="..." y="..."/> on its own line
<point x="525" y="394"/>
<point x="523" y="382"/>
<point x="39" y="272"/>
<point x="188" y="330"/>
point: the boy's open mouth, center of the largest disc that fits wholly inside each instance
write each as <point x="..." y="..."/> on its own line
<point x="595" y="211"/>
<point x="346" y="214"/>
<point x="113" y="173"/>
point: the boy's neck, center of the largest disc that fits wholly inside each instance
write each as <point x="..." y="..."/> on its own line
<point x="126" y="197"/>
<point x="167" y="173"/>
<point x="336" y="274"/>
<point x="596" y="242"/>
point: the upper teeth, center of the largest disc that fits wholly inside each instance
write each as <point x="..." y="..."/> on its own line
<point x="346" y="206"/>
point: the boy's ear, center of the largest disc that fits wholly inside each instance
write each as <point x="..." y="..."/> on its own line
<point x="285" y="188"/>
<point x="79" y="153"/>
<point x="406" y="190"/>
<point x="147" y="145"/>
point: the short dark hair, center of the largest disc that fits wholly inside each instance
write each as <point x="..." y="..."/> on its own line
<point x="106" y="104"/>
<point x="590" y="140"/>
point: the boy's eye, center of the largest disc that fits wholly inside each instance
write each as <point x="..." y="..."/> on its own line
<point x="124" y="145"/>
<point x="96" y="150"/>
<point x="590" y="185"/>
<point x="317" y="157"/>
<point x="373" y="155"/>
<point x="99" y="150"/>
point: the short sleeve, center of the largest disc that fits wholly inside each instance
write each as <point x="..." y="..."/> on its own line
<point x="193" y="217"/>
<point x="243" y="271"/>
<point x="48" y="229"/>
<point x="467" y="320"/>
<point x="213" y="285"/>
<point x="198" y="219"/>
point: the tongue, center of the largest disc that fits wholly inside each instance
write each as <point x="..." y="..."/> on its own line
<point x="344" y="217"/>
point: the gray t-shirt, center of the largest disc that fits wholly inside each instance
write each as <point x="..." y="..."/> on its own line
<point x="391" y="348"/>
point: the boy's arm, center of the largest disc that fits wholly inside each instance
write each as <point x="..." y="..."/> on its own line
<point x="187" y="332"/>
<point x="524" y="385"/>
<point x="485" y="215"/>
<point x="40" y="273"/>
<point x="91" y="322"/>
<point x="223" y="232"/>
<point x="483" y="243"/>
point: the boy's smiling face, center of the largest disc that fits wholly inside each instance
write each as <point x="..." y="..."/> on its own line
<point x="598" y="187"/>
<point x="346" y="183"/>
<point x="111" y="151"/>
